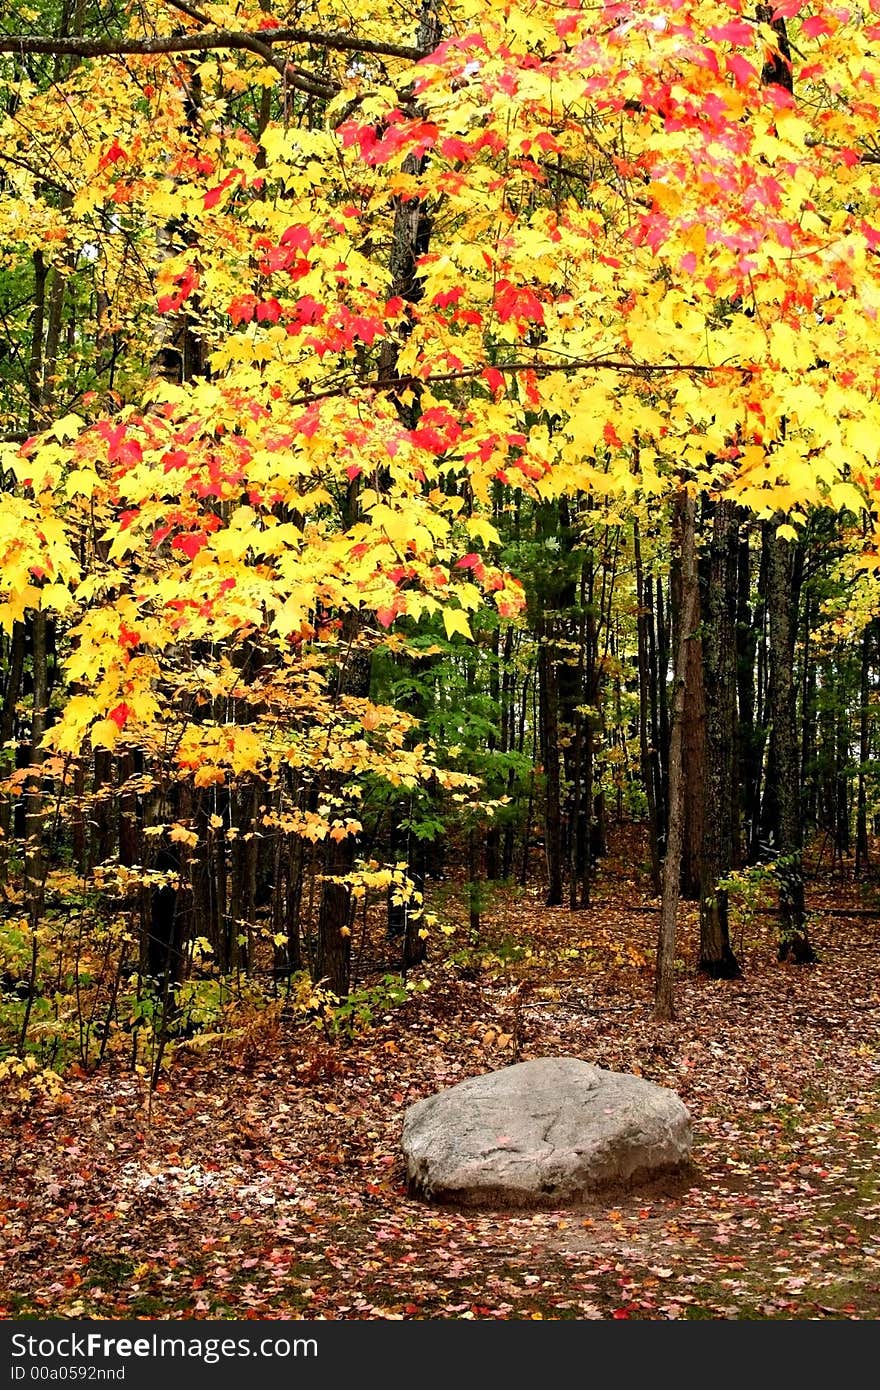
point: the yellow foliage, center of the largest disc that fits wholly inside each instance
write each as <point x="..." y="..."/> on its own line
<point x="642" y="266"/>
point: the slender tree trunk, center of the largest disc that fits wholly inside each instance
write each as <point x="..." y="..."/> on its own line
<point x="34" y="860"/>
<point x="333" y="949"/>
<point x="295" y="864"/>
<point x="645" y="751"/>
<point x="664" y="1000"/>
<point x="584" y="833"/>
<point x="411" y="232"/>
<point x="660" y="682"/>
<point x="693" y="749"/>
<point x="167" y="918"/>
<point x="38" y="326"/>
<point x="102" y="819"/>
<point x="809" y="799"/>
<point x="54" y="316"/>
<point x="473" y="867"/>
<point x="841" y="763"/>
<point x="493" y="831"/>
<point x="693" y="742"/>
<point x="37" y="622"/>
<point x="719" y="670"/>
<point x="746" y="647"/>
<point x="765" y="823"/>
<point x="11" y="693"/>
<point x="508" y="698"/>
<point x="530" y="696"/>
<point x="864" y="753"/>
<point x="549" y="694"/>
<point x="130" y="765"/>
<point x="410" y="239"/>
<point x="35" y="863"/>
<point x="333" y="946"/>
<point x="794" y="942"/>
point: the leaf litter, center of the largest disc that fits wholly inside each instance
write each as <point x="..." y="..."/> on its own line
<point x="273" y="1187"/>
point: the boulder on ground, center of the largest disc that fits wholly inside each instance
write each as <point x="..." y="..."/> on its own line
<point x="549" y="1132"/>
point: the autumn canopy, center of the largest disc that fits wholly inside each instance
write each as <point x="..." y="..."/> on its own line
<point x="318" y="306"/>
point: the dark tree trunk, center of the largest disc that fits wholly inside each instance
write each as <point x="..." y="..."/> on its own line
<point x="749" y="772"/>
<point x="38" y="326"/>
<point x="645" y="750"/>
<point x="841" y="763"/>
<point x="130" y="765"/>
<point x="693" y="741"/>
<point x="693" y="750"/>
<point x="794" y="942"/>
<point x="168" y="924"/>
<point x="295" y="864"/>
<point x="33" y="800"/>
<point x="102" y="820"/>
<point x="687" y="620"/>
<point x="508" y="698"/>
<point x="864" y="752"/>
<point x="333" y="946"/>
<point x="403" y="920"/>
<point x="411" y="231"/>
<point x="493" y="831"/>
<point x="764" y="826"/>
<point x="473" y="868"/>
<point x="719" y="669"/>
<point x="809" y="797"/>
<point x="580" y="768"/>
<point x="660" y="734"/>
<point x="11" y="693"/>
<point x="549" y="698"/>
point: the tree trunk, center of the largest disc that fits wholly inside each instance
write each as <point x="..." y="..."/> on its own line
<point x="749" y="760"/>
<point x="333" y="946"/>
<point x="794" y="942"/>
<point x="841" y="762"/>
<point x="11" y="693"/>
<point x="764" y="812"/>
<point x="660" y="724"/>
<point x="809" y="792"/>
<point x="693" y="741"/>
<point x="38" y="325"/>
<point x="645" y="751"/>
<point x="664" y="1000"/>
<point x="163" y="957"/>
<point x="411" y="231"/>
<point x="864" y="753"/>
<point x="719" y="670"/>
<point x="333" y="950"/>
<point x="33" y="827"/>
<point x="549" y="699"/>
<point x="693" y="750"/>
<point x="101" y="819"/>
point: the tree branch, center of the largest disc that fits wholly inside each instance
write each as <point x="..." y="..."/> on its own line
<point x="194" y="43"/>
<point x="541" y="368"/>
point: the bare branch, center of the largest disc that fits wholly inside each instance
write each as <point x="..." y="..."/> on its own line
<point x="193" y="43"/>
<point x="391" y="385"/>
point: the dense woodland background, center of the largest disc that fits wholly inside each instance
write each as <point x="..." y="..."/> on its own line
<point x="344" y="635"/>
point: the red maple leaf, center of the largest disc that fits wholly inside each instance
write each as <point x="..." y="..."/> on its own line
<point x="517" y="301"/>
<point x="190" y="544"/>
<point x="111" y="155"/>
<point x="120" y="714"/>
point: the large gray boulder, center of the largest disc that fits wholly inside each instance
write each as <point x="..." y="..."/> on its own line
<point x="543" y="1133"/>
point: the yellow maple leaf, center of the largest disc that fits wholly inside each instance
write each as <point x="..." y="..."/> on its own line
<point x="455" y="621"/>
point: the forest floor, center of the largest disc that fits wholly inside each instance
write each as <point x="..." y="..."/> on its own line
<point x="268" y="1183"/>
